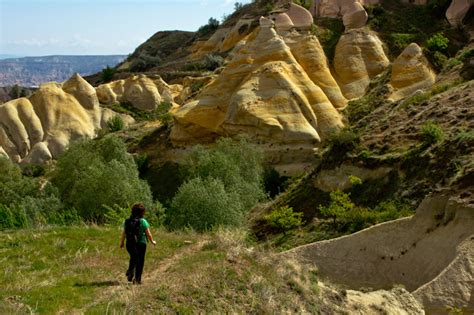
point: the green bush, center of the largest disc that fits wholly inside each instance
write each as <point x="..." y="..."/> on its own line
<point x="25" y="202"/>
<point x="96" y="173"/>
<point x="203" y="204"/>
<point x="340" y="143"/>
<point x="211" y="26"/>
<point x="236" y="163"/>
<point x="284" y="219"/>
<point x="339" y="206"/>
<point x="304" y="3"/>
<point x="210" y="62"/>
<point x="401" y="41"/>
<point x="437" y="42"/>
<point x="107" y="74"/>
<point x="115" y="123"/>
<point x="234" y="170"/>
<point x="431" y="133"/>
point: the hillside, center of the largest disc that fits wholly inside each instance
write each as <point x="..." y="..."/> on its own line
<point x="32" y="71"/>
<point x="300" y="156"/>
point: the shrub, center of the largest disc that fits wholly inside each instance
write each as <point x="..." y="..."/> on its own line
<point x="354" y="180"/>
<point x="143" y="61"/>
<point x="437" y="42"/>
<point x="107" y="74"/>
<point x="431" y="133"/>
<point x="304" y="3"/>
<point x="115" y="123"/>
<point x="236" y="163"/>
<point x="340" y="143"/>
<point x="203" y="204"/>
<point x="210" y="62"/>
<point x="96" y="173"/>
<point x="24" y="204"/>
<point x="233" y="171"/>
<point x="401" y="41"/>
<point x="210" y="27"/>
<point x="339" y="206"/>
<point x="13" y="186"/>
<point x="284" y="219"/>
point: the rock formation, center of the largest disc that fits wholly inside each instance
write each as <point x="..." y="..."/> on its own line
<point x="431" y="254"/>
<point x="457" y="11"/>
<point x="140" y="91"/>
<point x="310" y="55"/>
<point x="265" y="93"/>
<point x="359" y="57"/>
<point x="338" y="8"/>
<point x="410" y="72"/>
<point x="224" y="39"/>
<point x="356" y="17"/>
<point x="39" y="129"/>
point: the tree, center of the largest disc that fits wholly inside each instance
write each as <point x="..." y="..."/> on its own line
<point x="204" y="204"/>
<point x="339" y="206"/>
<point x="224" y="182"/>
<point x="96" y="173"/>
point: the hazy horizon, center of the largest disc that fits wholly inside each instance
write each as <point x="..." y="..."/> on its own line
<point x="102" y="27"/>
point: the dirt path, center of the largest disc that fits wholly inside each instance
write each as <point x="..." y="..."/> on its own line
<point x="125" y="292"/>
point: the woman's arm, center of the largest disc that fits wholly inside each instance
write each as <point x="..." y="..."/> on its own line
<point x="150" y="238"/>
<point x="122" y="240"/>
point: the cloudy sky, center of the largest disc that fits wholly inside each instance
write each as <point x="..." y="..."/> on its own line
<point x="85" y="27"/>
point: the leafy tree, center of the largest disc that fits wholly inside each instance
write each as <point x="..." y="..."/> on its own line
<point x="224" y="182"/>
<point x="210" y="27"/>
<point x="236" y="163"/>
<point x="107" y="74"/>
<point x="437" y="42"/>
<point x="204" y="204"/>
<point x="24" y="201"/>
<point x="339" y="206"/>
<point x="93" y="174"/>
<point x="284" y="219"/>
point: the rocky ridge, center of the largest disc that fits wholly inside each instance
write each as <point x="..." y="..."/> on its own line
<point x="39" y="128"/>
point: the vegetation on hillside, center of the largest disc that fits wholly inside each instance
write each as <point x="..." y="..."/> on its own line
<point x="81" y="270"/>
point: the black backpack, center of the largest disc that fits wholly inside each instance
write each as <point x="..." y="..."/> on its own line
<point x="132" y="229"/>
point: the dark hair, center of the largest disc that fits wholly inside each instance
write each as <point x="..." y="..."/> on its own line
<point x="138" y="210"/>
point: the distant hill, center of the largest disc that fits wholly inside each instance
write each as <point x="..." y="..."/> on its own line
<point x="32" y="71"/>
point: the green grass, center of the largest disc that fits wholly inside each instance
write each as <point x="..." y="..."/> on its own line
<point x="81" y="270"/>
<point x="160" y="113"/>
<point x="61" y="269"/>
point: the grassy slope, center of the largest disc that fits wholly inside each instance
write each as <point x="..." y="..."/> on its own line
<point x="81" y="269"/>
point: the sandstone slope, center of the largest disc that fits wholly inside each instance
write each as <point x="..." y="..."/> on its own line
<point x="265" y="93"/>
<point x="39" y="128"/>
<point x="431" y="254"/>
<point x="141" y="91"/>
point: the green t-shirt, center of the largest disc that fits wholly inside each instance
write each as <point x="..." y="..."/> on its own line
<point x="143" y="226"/>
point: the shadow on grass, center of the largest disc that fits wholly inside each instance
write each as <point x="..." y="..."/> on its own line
<point x="97" y="284"/>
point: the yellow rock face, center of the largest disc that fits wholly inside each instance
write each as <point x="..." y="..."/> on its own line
<point x="410" y="72"/>
<point x="62" y="117"/>
<point x="310" y="55"/>
<point x="359" y="57"/>
<point x="140" y="91"/>
<point x="85" y="95"/>
<point x="224" y="39"/>
<point x="40" y="128"/>
<point x="265" y="93"/>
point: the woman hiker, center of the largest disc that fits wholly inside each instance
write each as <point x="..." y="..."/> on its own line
<point x="136" y="231"/>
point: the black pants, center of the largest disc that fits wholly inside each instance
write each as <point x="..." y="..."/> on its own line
<point x="137" y="259"/>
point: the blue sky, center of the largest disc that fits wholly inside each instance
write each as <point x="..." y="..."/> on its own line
<point x="85" y="27"/>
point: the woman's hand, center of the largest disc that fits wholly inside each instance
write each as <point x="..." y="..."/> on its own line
<point x="153" y="242"/>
